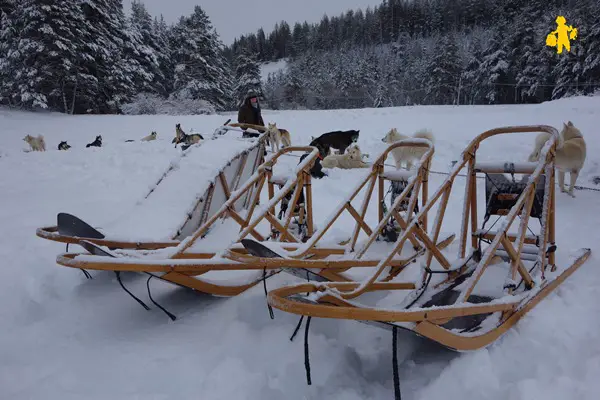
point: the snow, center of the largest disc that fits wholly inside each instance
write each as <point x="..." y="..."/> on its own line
<point x="65" y="337"/>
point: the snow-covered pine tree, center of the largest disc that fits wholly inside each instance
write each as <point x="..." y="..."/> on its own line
<point x="151" y="56"/>
<point x="113" y="64"/>
<point x="201" y="70"/>
<point x="43" y="52"/>
<point x="591" y="68"/>
<point x="531" y="63"/>
<point x="247" y="77"/>
<point x="444" y="71"/>
<point x="162" y="33"/>
<point x="494" y="71"/>
<point x="570" y="79"/>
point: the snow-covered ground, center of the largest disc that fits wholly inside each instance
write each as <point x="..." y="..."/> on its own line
<point x="65" y="337"/>
<point x="272" y="68"/>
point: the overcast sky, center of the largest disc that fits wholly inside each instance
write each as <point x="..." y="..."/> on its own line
<point x="232" y="18"/>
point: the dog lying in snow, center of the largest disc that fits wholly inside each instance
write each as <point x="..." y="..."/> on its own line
<point x="570" y="154"/>
<point x="278" y="137"/>
<point x="36" y="143"/>
<point x="150" y="137"/>
<point x="63" y="146"/>
<point x="407" y="154"/>
<point x="351" y="159"/>
<point x="95" y="143"/>
<point x="187" y="140"/>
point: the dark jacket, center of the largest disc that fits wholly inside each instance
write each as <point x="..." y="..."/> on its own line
<point x="250" y="115"/>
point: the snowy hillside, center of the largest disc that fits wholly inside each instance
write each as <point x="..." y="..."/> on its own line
<point x="65" y="337"/>
<point x="272" y="68"/>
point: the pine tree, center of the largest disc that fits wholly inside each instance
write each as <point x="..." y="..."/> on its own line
<point x="247" y="77"/>
<point x="444" y="72"/>
<point x="150" y="55"/>
<point x="43" y="52"/>
<point x="201" y="70"/>
<point x="494" y="71"/>
<point x="591" y="68"/>
<point x="112" y="65"/>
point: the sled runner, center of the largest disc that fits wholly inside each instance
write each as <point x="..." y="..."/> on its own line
<point x="194" y="263"/>
<point x="497" y="277"/>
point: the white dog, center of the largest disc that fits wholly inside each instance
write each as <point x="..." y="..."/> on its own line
<point x="570" y="154"/>
<point x="278" y="137"/>
<point x="351" y="159"/>
<point x="36" y="143"/>
<point x="150" y="137"/>
<point x="407" y="154"/>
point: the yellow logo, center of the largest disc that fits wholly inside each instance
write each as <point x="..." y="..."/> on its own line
<point x="562" y="36"/>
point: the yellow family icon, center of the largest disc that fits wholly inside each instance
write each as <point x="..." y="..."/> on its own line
<point x="562" y="36"/>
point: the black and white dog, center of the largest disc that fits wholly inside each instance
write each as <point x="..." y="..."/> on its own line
<point x="95" y="143"/>
<point x="339" y="140"/>
<point x="63" y="146"/>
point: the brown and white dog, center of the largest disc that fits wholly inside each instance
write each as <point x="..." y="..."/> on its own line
<point x="570" y="154"/>
<point x="36" y="143"/>
<point x="182" y="137"/>
<point x="278" y="137"/>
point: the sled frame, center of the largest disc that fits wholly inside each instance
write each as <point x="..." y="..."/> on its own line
<point x="335" y="300"/>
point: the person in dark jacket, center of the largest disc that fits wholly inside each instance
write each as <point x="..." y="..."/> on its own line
<point x="249" y="113"/>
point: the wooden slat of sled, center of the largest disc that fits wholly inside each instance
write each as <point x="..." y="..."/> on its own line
<point x="278" y="298"/>
<point x="253" y="263"/>
<point x="206" y="287"/>
<point x="51" y="233"/>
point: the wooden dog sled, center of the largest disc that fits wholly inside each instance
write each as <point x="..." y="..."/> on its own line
<point x="71" y="230"/>
<point x="190" y="262"/>
<point x="497" y="277"/>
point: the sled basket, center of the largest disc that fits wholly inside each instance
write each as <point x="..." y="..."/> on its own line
<point x="502" y="194"/>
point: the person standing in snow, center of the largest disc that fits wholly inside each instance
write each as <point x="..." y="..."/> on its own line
<point x="249" y="113"/>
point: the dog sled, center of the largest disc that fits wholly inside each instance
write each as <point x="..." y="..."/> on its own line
<point x="193" y="261"/>
<point x="497" y="277"/>
<point x="242" y="162"/>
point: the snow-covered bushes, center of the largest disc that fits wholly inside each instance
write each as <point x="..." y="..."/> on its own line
<point x="147" y="103"/>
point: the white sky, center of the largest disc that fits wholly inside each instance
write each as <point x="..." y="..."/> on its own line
<point x="231" y="18"/>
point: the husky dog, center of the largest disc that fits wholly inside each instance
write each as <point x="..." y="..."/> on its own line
<point x="349" y="160"/>
<point x="187" y="140"/>
<point x="276" y="136"/>
<point x="339" y="140"/>
<point x="407" y="154"/>
<point x="95" y="143"/>
<point x="63" y="146"/>
<point x="570" y="154"/>
<point x="150" y="137"/>
<point x="36" y="143"/>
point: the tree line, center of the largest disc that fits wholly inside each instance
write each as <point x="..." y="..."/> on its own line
<point x="434" y="52"/>
<point x="86" y="56"/>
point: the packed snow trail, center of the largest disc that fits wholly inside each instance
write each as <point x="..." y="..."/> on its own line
<point x="65" y="337"/>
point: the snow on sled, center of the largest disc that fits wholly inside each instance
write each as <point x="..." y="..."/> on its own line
<point x="468" y="303"/>
<point x="181" y="197"/>
<point x="197" y="260"/>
